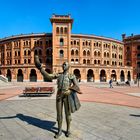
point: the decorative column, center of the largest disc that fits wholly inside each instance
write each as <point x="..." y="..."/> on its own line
<point x="21" y="52"/>
<point x="32" y="51"/>
<point x="12" y="53"/>
<point x="81" y="52"/>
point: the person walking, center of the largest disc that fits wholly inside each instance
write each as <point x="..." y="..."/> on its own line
<point x="110" y="83"/>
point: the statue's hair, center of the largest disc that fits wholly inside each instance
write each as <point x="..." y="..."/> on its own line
<point x="67" y="63"/>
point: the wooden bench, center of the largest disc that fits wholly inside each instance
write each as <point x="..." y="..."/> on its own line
<point x="37" y="91"/>
<point x="123" y="84"/>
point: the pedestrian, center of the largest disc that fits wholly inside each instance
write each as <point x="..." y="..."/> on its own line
<point x="110" y="83"/>
<point x="67" y="87"/>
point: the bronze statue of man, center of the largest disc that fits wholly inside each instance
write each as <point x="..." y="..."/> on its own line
<point x="66" y="94"/>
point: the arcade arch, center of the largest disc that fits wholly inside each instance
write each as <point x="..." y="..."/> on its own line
<point x="102" y="76"/>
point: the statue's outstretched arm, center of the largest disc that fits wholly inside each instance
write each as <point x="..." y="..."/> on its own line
<point x="42" y="70"/>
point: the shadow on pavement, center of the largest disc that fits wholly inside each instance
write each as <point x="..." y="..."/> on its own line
<point x="44" y="124"/>
<point x="134" y="115"/>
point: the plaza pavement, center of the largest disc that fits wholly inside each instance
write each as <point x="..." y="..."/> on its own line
<point x="105" y="114"/>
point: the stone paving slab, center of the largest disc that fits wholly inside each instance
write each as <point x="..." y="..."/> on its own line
<point x="36" y="120"/>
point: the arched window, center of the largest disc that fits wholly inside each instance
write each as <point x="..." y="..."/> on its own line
<point x="61" y="53"/>
<point x="84" y="61"/>
<point x="71" y="42"/>
<point x="57" y="30"/>
<point x="72" y="52"/>
<point x="61" y="41"/>
<point x="104" y="54"/>
<point x="26" y="43"/>
<point x="65" y="30"/>
<point x="84" y="53"/>
<point x="95" y="61"/>
<point x="25" y="52"/>
<point x="83" y="43"/>
<point x="24" y="61"/>
<point x="98" y="61"/>
<point x="96" y="43"/>
<point x="29" y="52"/>
<point x="99" y="53"/>
<point x="104" y="62"/>
<point x="18" y="53"/>
<point x="113" y="55"/>
<point x="72" y="60"/>
<point x="107" y="54"/>
<point x="113" y="63"/>
<point x="86" y="43"/>
<point x="76" y="61"/>
<point x="88" y="52"/>
<point x="88" y="61"/>
<point x="61" y="30"/>
<point x="15" y="53"/>
<point x="76" y="52"/>
<point x="107" y="62"/>
<point x="74" y="42"/>
<point x="29" y="61"/>
<point x="95" y="53"/>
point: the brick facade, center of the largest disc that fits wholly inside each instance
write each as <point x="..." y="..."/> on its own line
<point x="92" y="58"/>
<point x="132" y="53"/>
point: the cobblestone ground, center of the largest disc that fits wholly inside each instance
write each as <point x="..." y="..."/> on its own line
<point x="105" y="114"/>
<point x="35" y="119"/>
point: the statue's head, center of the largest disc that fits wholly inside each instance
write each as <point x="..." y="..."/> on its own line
<point x="65" y="66"/>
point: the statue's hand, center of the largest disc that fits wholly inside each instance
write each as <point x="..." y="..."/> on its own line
<point x="37" y="62"/>
<point x="67" y="92"/>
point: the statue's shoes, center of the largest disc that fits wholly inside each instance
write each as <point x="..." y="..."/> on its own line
<point x="67" y="134"/>
<point x="57" y="135"/>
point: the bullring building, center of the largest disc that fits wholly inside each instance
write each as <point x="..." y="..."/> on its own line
<point x="92" y="58"/>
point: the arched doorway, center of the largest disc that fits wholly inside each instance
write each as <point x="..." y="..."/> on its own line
<point x="129" y="76"/>
<point x="113" y="75"/>
<point x="102" y="76"/>
<point x="20" y="76"/>
<point x="122" y="77"/>
<point x="77" y="74"/>
<point x="90" y="76"/>
<point x="46" y="80"/>
<point x="33" y="76"/>
<point x="8" y="75"/>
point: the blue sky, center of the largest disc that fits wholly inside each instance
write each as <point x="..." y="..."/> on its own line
<point x="109" y="18"/>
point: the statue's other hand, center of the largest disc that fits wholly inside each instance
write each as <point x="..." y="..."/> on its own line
<point x="37" y="62"/>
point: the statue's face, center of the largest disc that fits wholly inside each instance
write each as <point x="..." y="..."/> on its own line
<point x="65" y="66"/>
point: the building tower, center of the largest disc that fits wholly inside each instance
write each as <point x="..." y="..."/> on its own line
<point x="61" y="39"/>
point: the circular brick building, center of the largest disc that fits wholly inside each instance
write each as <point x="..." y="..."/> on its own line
<point x="91" y="58"/>
<point x="132" y="54"/>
